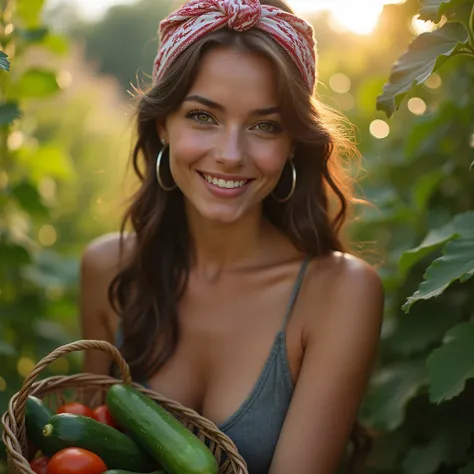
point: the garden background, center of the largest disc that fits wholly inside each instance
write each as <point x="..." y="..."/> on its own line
<point x="66" y="136"/>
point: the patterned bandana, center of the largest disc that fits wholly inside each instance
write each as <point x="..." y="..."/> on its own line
<point x="197" y="18"/>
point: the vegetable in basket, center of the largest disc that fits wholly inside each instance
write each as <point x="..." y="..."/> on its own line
<point x="116" y="449"/>
<point x="76" y="408"/>
<point x="76" y="461"/>
<point x="102" y="414"/>
<point x="177" y="449"/>
<point x="40" y="465"/>
<point x="37" y="415"/>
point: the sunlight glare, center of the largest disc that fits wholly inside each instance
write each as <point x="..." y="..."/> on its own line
<point x="379" y="129"/>
<point x="416" y="106"/>
<point x="359" y="17"/>
<point x="47" y="235"/>
<point x="346" y="101"/>
<point x="340" y="83"/>
<point x="419" y="26"/>
<point x="434" y="81"/>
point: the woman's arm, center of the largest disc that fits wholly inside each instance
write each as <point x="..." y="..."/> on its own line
<point x="98" y="320"/>
<point x="338" y="359"/>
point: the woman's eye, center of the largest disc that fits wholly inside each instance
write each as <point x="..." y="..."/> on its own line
<point x="203" y="118"/>
<point x="200" y="117"/>
<point x="268" y="127"/>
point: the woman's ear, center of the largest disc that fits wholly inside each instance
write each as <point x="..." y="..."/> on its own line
<point x="292" y="151"/>
<point x="161" y="131"/>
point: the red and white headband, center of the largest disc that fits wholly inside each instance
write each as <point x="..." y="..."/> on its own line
<point x="197" y="18"/>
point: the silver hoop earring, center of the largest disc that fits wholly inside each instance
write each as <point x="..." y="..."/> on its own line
<point x="293" y="185"/>
<point x="158" y="174"/>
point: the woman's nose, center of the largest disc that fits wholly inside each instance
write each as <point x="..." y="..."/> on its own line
<point x="231" y="149"/>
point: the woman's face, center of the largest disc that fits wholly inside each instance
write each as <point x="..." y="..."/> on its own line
<point x="227" y="142"/>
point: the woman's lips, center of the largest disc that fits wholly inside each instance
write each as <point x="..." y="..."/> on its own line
<point x="226" y="188"/>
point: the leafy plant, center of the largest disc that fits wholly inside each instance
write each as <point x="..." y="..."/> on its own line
<point x="426" y="54"/>
<point x="24" y="211"/>
<point x="430" y="429"/>
<point x="4" y="62"/>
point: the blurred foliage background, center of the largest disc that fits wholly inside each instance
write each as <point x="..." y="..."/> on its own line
<point x="65" y="140"/>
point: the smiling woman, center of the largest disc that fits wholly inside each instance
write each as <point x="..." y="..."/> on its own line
<point x="234" y="293"/>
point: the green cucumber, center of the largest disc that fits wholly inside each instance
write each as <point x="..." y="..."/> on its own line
<point x="37" y="415"/>
<point x="177" y="449"/>
<point x="117" y="450"/>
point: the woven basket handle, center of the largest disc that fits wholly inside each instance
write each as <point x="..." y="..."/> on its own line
<point x="56" y="354"/>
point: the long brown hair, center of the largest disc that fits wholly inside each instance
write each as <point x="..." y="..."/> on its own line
<point x="147" y="290"/>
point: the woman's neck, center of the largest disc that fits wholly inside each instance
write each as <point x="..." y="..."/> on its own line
<point x="220" y="246"/>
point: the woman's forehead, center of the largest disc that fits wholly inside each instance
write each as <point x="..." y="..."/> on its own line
<point x="236" y="76"/>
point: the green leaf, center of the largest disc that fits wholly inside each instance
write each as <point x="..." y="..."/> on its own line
<point x="389" y="449"/>
<point x="449" y="439"/>
<point x="457" y="263"/>
<point x="48" y="160"/>
<point x="432" y="10"/>
<point x="417" y="332"/>
<point x="4" y="62"/>
<point x="29" y="11"/>
<point x="462" y="225"/>
<point x="13" y="255"/>
<point x="469" y="469"/>
<point x="390" y="391"/>
<point x="452" y="364"/>
<point x="56" y="44"/>
<point x="32" y="35"/>
<point x="426" y="54"/>
<point x="37" y="83"/>
<point x="8" y="113"/>
<point x="29" y="198"/>
<point x="425" y="459"/>
<point x="435" y="239"/>
<point x="424" y="188"/>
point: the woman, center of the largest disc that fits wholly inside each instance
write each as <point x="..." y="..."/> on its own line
<point x="233" y="294"/>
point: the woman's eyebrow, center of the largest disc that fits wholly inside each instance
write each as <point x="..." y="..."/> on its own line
<point x="214" y="105"/>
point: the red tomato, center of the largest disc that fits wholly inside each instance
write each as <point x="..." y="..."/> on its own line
<point x="103" y="415"/>
<point x="76" y="409"/>
<point x="40" y="465"/>
<point x="76" y="461"/>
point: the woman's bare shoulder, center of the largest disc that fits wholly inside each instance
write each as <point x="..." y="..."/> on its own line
<point x="344" y="286"/>
<point x="339" y="268"/>
<point x="101" y="261"/>
<point x="107" y="253"/>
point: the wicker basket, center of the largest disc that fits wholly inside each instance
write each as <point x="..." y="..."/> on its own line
<point x="53" y="391"/>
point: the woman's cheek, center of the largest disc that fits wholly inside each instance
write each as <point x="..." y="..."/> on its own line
<point x="190" y="147"/>
<point x="271" y="164"/>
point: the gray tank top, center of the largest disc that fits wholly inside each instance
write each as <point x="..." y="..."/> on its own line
<point x="255" y="427"/>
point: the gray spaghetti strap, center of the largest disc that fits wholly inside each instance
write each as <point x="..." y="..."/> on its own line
<point x="296" y="289"/>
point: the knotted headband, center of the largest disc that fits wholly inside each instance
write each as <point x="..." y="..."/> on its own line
<point x="197" y="18"/>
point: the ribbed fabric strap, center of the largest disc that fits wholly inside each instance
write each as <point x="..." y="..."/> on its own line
<point x="296" y="290"/>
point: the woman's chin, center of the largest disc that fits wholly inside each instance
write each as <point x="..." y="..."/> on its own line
<point x="221" y="214"/>
<point x="226" y="218"/>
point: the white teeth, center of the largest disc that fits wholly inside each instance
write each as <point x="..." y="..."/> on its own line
<point x="222" y="183"/>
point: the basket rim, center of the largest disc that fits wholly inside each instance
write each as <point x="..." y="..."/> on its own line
<point x="16" y="448"/>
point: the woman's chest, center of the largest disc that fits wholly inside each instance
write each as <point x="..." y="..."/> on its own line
<point x="226" y="341"/>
